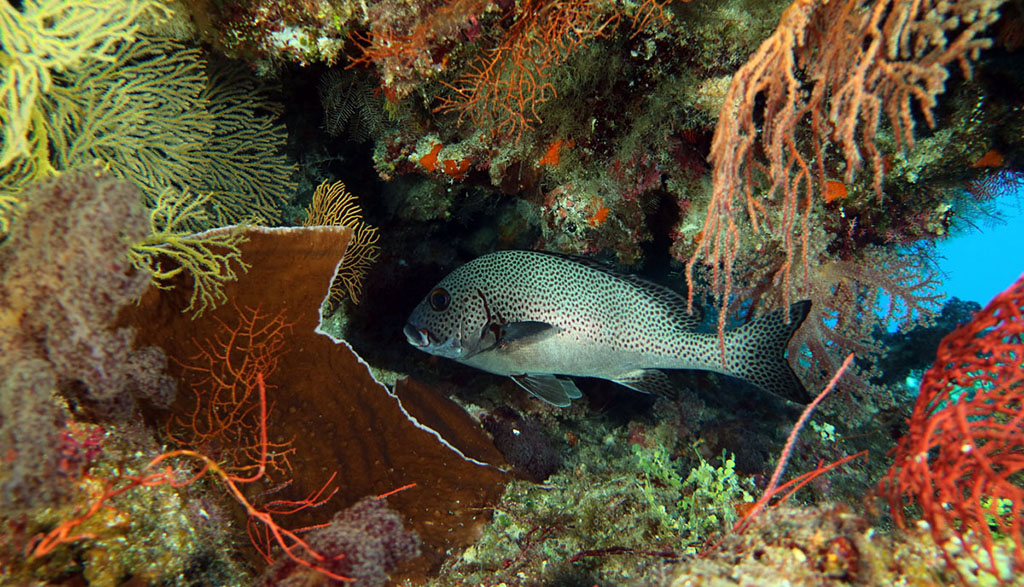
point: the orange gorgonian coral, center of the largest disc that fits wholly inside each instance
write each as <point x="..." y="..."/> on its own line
<point x="223" y="412"/>
<point x="831" y="71"/>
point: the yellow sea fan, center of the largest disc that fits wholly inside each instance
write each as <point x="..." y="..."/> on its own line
<point x="8" y="206"/>
<point x="333" y="205"/>
<point x="40" y="37"/>
<point x="211" y="257"/>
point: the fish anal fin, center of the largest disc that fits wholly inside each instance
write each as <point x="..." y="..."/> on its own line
<point x="647" y="381"/>
<point x="555" y="391"/>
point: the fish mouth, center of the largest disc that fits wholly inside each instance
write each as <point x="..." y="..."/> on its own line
<point x="417" y="337"/>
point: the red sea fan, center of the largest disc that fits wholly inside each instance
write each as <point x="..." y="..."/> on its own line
<point x="962" y="460"/>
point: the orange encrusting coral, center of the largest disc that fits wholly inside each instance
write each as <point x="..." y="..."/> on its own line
<point x="551" y="156"/>
<point x="429" y="161"/>
<point x="456" y="169"/>
<point x="992" y="158"/>
<point x="599" y="217"/>
<point x="834" y="190"/>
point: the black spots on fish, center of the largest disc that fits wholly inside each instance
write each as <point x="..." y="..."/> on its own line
<point x="595" y="305"/>
<point x="757" y="352"/>
<point x="690" y="353"/>
<point x="770" y="334"/>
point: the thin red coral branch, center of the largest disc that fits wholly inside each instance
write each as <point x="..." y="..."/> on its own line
<point x="773" y="487"/>
<point x="224" y="409"/>
<point x="156" y="472"/>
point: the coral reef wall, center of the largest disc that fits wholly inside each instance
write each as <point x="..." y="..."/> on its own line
<point x="196" y="390"/>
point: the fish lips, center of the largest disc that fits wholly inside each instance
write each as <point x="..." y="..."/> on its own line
<point x="417" y="337"/>
<point x="428" y="342"/>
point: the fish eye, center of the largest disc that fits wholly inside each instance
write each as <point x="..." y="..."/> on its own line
<point x="440" y="299"/>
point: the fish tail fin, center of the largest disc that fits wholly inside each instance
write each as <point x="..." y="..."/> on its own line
<point x="757" y="352"/>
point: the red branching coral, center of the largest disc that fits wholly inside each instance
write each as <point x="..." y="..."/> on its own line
<point x="504" y="85"/>
<point x="159" y="472"/>
<point x="830" y="70"/>
<point x="507" y="83"/>
<point x="364" y="542"/>
<point x="326" y="404"/>
<point x="962" y="460"/>
<point x="223" y="413"/>
<point x="409" y="42"/>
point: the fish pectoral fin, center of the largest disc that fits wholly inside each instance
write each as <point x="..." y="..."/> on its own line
<point x="647" y="381"/>
<point x="527" y="332"/>
<point x="555" y="391"/>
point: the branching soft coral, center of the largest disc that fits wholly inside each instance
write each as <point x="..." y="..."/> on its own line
<point x="65" y="274"/>
<point x="962" y="459"/>
<point x="155" y="112"/>
<point x="504" y="85"/>
<point x="169" y="248"/>
<point x="407" y="40"/>
<point x="830" y="75"/>
<point x="40" y="37"/>
<point x="853" y="300"/>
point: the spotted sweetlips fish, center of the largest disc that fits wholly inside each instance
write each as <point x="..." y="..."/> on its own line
<point x="539" y="317"/>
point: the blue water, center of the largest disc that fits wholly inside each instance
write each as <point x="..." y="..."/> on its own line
<point x="980" y="263"/>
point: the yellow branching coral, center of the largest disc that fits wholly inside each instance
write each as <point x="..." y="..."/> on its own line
<point x="333" y="205"/>
<point x="243" y="165"/>
<point x="152" y="112"/>
<point x="8" y="206"/>
<point x="171" y="249"/>
<point x="140" y="113"/>
<point x="40" y="37"/>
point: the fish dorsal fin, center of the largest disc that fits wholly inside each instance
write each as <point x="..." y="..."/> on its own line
<point x="647" y="381"/>
<point x="555" y="391"/>
<point x="668" y="298"/>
